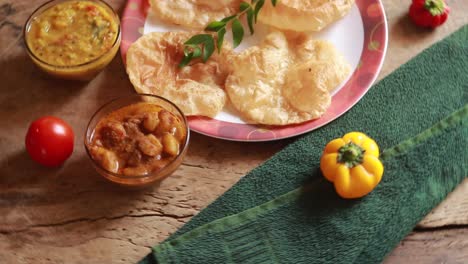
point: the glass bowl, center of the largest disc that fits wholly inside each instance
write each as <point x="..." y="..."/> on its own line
<point x="151" y="177"/>
<point x="83" y="71"/>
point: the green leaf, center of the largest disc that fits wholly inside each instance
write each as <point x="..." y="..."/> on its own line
<point x="221" y="34"/>
<point x="258" y="6"/>
<point x="208" y="49"/>
<point x="215" y="26"/>
<point x="229" y="18"/>
<point x="250" y="20"/>
<point x="199" y="39"/>
<point x="203" y="45"/>
<point x="244" y="6"/>
<point x="187" y="58"/>
<point x="196" y="53"/>
<point x="237" y="32"/>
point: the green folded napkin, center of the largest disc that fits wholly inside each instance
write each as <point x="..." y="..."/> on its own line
<point x="285" y="212"/>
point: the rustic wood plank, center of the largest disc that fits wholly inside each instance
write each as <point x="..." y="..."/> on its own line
<point x="431" y="247"/>
<point x="451" y="212"/>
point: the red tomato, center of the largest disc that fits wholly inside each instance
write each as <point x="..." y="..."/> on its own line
<point x="49" y="141"/>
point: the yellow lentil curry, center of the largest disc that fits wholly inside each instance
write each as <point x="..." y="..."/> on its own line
<point x="72" y="33"/>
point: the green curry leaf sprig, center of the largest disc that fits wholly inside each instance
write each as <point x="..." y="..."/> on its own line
<point x="203" y="45"/>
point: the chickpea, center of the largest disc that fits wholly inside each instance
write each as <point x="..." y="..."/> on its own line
<point x="106" y="158"/>
<point x="134" y="171"/>
<point x="167" y="121"/>
<point x="110" y="162"/>
<point x="180" y="131"/>
<point x="151" y="121"/>
<point x="150" y="145"/>
<point x="171" y="145"/>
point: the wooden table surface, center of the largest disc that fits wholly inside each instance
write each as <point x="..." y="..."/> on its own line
<point x="71" y="215"/>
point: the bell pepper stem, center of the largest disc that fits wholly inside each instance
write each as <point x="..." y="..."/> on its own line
<point x="351" y="154"/>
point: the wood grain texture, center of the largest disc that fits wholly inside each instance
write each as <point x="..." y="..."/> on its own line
<point x="451" y="212"/>
<point x="72" y="215"/>
<point x="432" y="247"/>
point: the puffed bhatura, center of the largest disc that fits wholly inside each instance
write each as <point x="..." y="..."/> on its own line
<point x="195" y="14"/>
<point x="301" y="15"/>
<point x="285" y="81"/>
<point x="197" y="89"/>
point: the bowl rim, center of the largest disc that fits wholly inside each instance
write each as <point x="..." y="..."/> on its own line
<point x="149" y="174"/>
<point x="52" y="3"/>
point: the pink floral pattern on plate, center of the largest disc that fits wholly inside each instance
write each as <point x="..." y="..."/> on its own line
<point x="373" y="53"/>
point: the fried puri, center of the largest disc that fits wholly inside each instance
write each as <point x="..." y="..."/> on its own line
<point x="196" y="14"/>
<point x="301" y="15"/>
<point x="152" y="66"/>
<point x="285" y="81"/>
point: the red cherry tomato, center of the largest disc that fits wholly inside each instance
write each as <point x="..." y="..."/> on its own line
<point x="49" y="141"/>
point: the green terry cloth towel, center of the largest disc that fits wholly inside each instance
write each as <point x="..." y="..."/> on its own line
<point x="284" y="211"/>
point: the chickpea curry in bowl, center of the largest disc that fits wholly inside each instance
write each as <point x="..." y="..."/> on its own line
<point x="73" y="39"/>
<point x="137" y="140"/>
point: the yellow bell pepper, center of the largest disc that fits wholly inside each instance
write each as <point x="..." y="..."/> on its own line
<point x="352" y="164"/>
